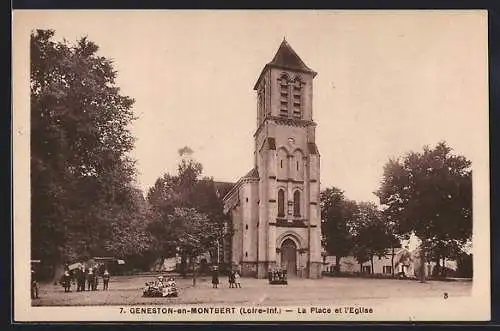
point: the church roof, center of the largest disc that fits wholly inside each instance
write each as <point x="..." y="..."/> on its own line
<point x="254" y="173"/>
<point x="287" y="58"/>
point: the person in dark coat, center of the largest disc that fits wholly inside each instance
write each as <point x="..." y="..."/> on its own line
<point x="95" y="280"/>
<point x="215" y="277"/>
<point x="66" y="281"/>
<point x="80" y="278"/>
<point x="231" y="279"/>
<point x="90" y="279"/>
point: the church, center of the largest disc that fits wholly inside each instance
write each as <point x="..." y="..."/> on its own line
<point x="274" y="208"/>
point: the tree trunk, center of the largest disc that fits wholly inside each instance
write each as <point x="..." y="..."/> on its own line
<point x="183" y="265"/>
<point x="371" y="261"/>
<point x="195" y="271"/>
<point x="443" y="269"/>
<point x="392" y="262"/>
<point x="337" y="264"/>
<point x="422" y="266"/>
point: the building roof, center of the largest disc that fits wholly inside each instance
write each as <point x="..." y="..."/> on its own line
<point x="254" y="173"/>
<point x="286" y="58"/>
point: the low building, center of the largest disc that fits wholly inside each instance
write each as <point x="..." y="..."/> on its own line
<point x="349" y="264"/>
<point x="404" y="260"/>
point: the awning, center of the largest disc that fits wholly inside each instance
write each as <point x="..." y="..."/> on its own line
<point x="76" y="265"/>
<point x="451" y="265"/>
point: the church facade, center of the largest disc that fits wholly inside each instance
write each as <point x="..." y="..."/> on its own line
<point x="274" y="208"/>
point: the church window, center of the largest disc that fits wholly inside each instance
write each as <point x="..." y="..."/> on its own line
<point x="247" y="200"/>
<point x="283" y="166"/>
<point x="284" y="95"/>
<point x="246" y="254"/>
<point x="297" y="98"/>
<point x="246" y="226"/>
<point x="260" y="104"/>
<point x="296" y="203"/>
<point x="281" y="203"/>
<point x="299" y="165"/>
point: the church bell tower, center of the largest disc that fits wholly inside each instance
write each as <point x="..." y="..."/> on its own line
<point x="288" y="164"/>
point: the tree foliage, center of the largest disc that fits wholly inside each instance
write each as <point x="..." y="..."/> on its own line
<point x="337" y="217"/>
<point x="354" y="228"/>
<point x="177" y="199"/>
<point x="83" y="202"/>
<point x="430" y="194"/>
<point x="372" y="234"/>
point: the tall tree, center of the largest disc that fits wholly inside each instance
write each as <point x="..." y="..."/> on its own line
<point x="430" y="194"/>
<point x="186" y="191"/>
<point x="372" y="234"/>
<point x="79" y="145"/>
<point x="337" y="216"/>
<point x="367" y="234"/>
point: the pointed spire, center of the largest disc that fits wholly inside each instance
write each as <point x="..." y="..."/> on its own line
<point x="287" y="58"/>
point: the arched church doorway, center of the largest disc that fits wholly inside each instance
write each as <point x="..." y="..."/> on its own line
<point x="289" y="256"/>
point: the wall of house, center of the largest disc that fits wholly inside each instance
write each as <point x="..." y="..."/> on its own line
<point x="381" y="265"/>
<point x="349" y="264"/>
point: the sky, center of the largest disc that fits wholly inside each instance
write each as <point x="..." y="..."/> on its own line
<point x="388" y="83"/>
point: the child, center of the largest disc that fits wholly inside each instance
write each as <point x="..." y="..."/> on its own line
<point x="237" y="279"/>
<point x="105" y="279"/>
<point x="66" y="281"/>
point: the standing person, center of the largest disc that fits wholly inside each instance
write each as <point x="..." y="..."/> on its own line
<point x="66" y="281"/>
<point x="90" y="278"/>
<point x="159" y="282"/>
<point x="105" y="279"/>
<point x="215" y="277"/>
<point x="237" y="279"/>
<point x="34" y="285"/>
<point x="231" y="279"/>
<point x="95" y="280"/>
<point x="81" y="279"/>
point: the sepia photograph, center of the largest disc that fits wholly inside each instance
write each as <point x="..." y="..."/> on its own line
<point x="259" y="165"/>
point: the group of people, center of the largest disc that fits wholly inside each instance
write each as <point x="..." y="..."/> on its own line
<point x="163" y="286"/>
<point x="277" y="276"/>
<point x="164" y="281"/>
<point x="233" y="277"/>
<point x="82" y="277"/>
